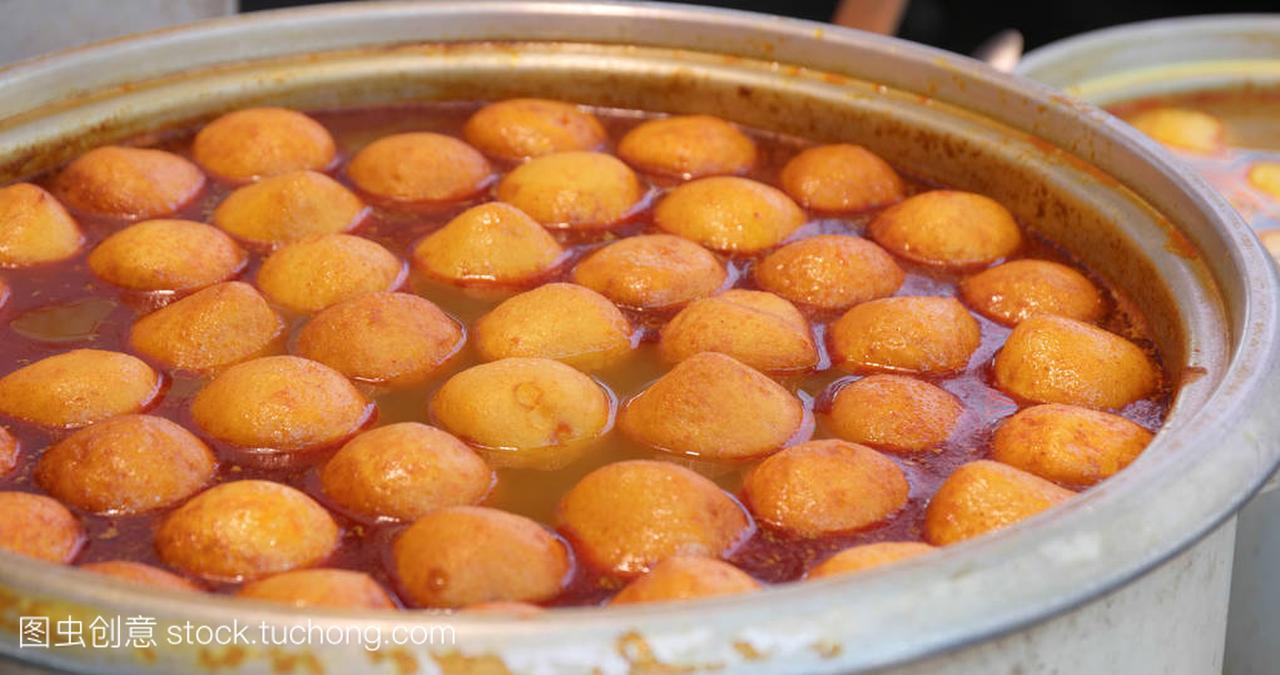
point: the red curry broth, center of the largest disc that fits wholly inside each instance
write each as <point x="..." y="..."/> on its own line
<point x="62" y="306"/>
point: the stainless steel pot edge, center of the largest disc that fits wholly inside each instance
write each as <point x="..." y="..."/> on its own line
<point x="1232" y="41"/>
<point x="950" y="580"/>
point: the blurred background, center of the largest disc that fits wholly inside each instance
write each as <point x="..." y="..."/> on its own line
<point x="33" y="27"/>
<point x="961" y="25"/>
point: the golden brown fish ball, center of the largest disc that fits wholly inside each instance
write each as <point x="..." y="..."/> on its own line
<point x="310" y="275"/>
<point x="34" y="228"/>
<point x="1052" y="359"/>
<point x="493" y="243"/>
<point x="920" y="335"/>
<point x="983" y="496"/>
<point x="532" y="127"/>
<point x="731" y="214"/>
<point x="167" y="255"/>
<point x="403" y="471"/>
<point x="947" y="228"/>
<point x="246" y="530"/>
<point x="868" y="556"/>
<point x="522" y="404"/>
<point x="77" y="388"/>
<point x="825" y="487"/>
<point x="280" y="403"/>
<point x="8" y="451"/>
<point x="419" y="168"/>
<point x="333" y="588"/>
<point x="395" y="339"/>
<point x="127" y="464"/>
<point x="128" y="183"/>
<point x="1013" y="291"/>
<point x="248" y="144"/>
<point x="222" y="324"/>
<point x="895" y="413"/>
<point x="654" y="271"/>
<point x="713" y="406"/>
<point x="39" y="527"/>
<point x="841" y="178"/>
<point x="1265" y="176"/>
<point x="628" y="516"/>
<point x="830" y="272"/>
<point x="143" y="575"/>
<point x="1073" y="447"/>
<point x="759" y="329"/>
<point x="685" y="577"/>
<point x="289" y="207"/>
<point x="573" y="190"/>
<point x="566" y="322"/>
<point x="1182" y="129"/>
<point x="688" y="146"/>
<point x="464" y="555"/>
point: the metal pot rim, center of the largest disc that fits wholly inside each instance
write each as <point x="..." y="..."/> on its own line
<point x="1240" y="46"/>
<point x="956" y="598"/>
<point x="1205" y="24"/>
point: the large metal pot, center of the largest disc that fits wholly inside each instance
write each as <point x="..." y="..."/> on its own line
<point x="1130" y="577"/>
<point x="1188" y="56"/>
